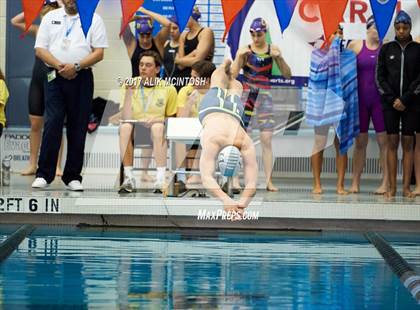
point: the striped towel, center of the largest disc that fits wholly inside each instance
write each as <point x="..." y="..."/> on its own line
<point x="332" y="93"/>
<point x="325" y="103"/>
<point x="349" y="127"/>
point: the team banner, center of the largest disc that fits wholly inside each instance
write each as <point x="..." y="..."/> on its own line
<point x="305" y="31"/>
<point x="86" y="11"/>
<point x="128" y="8"/>
<point x="31" y="8"/>
<point x="331" y="14"/>
<point x="383" y="10"/>
<point x="284" y="10"/>
<point x="231" y="8"/>
<point x="183" y="9"/>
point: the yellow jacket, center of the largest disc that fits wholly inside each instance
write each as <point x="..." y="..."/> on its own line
<point x="4" y="95"/>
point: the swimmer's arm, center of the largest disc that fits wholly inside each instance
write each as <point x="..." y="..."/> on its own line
<point x="19" y="22"/>
<point x="165" y="22"/>
<point x="278" y="57"/>
<point x="204" y="47"/>
<point x="239" y="62"/>
<point x="129" y="39"/>
<point x="355" y="46"/>
<point x="250" y="173"/>
<point x="207" y="166"/>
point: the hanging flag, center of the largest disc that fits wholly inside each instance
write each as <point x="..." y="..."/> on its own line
<point x="383" y="10"/>
<point x="86" y="11"/>
<point x="129" y="8"/>
<point x="31" y="9"/>
<point x="331" y="15"/>
<point x="231" y="8"/>
<point x="183" y="11"/>
<point x="284" y="10"/>
<point x="236" y="28"/>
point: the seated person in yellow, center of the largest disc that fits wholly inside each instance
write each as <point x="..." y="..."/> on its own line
<point x="4" y="95"/>
<point x="188" y="103"/>
<point x="146" y="102"/>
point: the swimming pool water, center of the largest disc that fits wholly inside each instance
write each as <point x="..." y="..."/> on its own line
<point x="210" y="270"/>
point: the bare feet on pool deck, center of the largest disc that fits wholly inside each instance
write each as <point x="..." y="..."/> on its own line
<point x="271" y="188"/>
<point x="416" y="192"/>
<point x="147" y="178"/>
<point x="381" y="190"/>
<point x="354" y="189"/>
<point x="317" y="190"/>
<point x="342" y="191"/>
<point x="30" y="170"/>
<point x="58" y="172"/>
<point x="391" y="193"/>
<point x="408" y="194"/>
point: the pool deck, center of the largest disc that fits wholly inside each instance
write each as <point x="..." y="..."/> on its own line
<point x="294" y="207"/>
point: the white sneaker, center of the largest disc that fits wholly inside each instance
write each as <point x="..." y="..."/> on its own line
<point x="159" y="187"/>
<point x="40" y="183"/>
<point x="128" y="186"/>
<point x="75" y="186"/>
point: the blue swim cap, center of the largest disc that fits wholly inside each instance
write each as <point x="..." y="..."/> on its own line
<point x="174" y="20"/>
<point x="144" y="25"/>
<point x="402" y="18"/>
<point x="258" y="25"/>
<point x="196" y="15"/>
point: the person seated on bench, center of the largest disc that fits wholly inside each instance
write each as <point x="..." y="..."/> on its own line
<point x="220" y="114"/>
<point x="147" y="101"/>
<point x="188" y="103"/>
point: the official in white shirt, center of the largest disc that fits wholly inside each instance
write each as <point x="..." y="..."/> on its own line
<point x="62" y="45"/>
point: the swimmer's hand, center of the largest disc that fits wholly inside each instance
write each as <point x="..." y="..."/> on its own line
<point x="230" y="205"/>
<point x="225" y="66"/>
<point x="275" y="52"/>
<point x="243" y="52"/>
<point x="398" y="105"/>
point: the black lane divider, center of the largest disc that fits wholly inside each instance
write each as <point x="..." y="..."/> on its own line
<point x="12" y="242"/>
<point x="407" y="275"/>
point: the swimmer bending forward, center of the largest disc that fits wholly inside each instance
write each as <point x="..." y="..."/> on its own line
<point x="221" y="117"/>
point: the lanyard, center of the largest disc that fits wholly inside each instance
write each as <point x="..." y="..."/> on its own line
<point x="149" y="98"/>
<point x="69" y="29"/>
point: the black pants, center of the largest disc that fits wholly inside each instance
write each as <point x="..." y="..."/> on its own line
<point x="71" y="99"/>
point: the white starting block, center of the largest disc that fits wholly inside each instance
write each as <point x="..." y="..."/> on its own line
<point x="187" y="131"/>
<point x="183" y="129"/>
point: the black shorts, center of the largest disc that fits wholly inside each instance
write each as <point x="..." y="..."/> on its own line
<point x="405" y="122"/>
<point x="36" y="95"/>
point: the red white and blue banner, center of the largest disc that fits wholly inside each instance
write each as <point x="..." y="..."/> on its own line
<point x="306" y="29"/>
<point x="296" y="26"/>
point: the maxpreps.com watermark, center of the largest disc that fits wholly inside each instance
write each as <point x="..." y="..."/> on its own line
<point x="220" y="214"/>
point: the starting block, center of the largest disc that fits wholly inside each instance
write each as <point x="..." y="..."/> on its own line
<point x="188" y="131"/>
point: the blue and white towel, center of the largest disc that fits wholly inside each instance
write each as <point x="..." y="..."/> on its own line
<point x="332" y="93"/>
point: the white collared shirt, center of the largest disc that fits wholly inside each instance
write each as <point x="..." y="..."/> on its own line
<point x="57" y="26"/>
